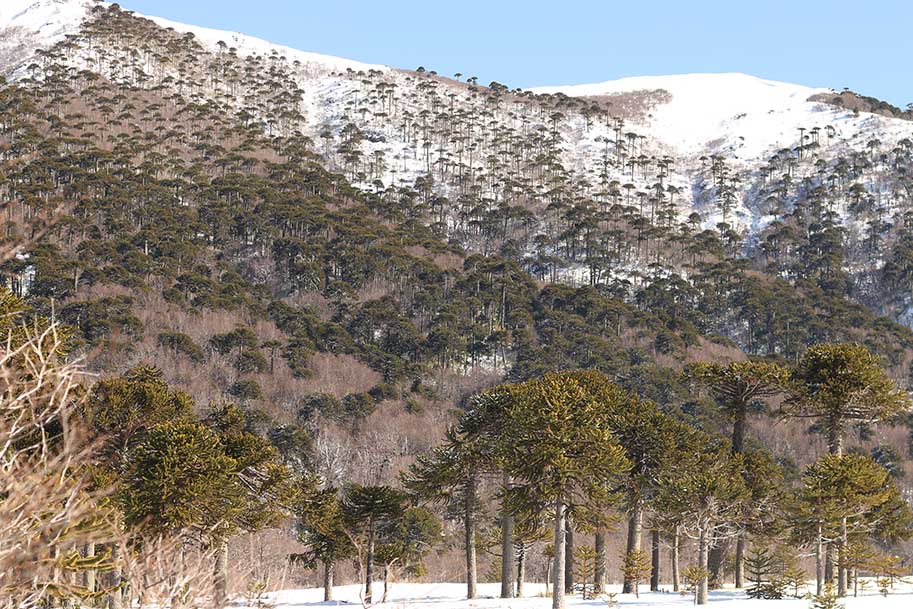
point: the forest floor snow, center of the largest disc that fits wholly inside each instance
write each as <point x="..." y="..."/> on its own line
<point x="452" y="596"/>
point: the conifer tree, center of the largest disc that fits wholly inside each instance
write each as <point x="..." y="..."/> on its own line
<point x="707" y="492"/>
<point x="404" y="542"/>
<point x="367" y="509"/>
<point x="850" y="495"/>
<point x="636" y="566"/>
<point x="556" y="443"/>
<point x="842" y="384"/>
<point x="739" y="388"/>
<point x="450" y="476"/>
<point x="322" y="529"/>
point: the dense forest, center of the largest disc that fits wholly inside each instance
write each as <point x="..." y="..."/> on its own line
<point x="328" y="335"/>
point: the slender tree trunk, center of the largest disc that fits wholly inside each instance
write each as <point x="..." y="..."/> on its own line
<point x="739" y="425"/>
<point x="469" y="522"/>
<point x="600" y="575"/>
<point x="115" y="597"/>
<point x="829" y="562"/>
<point x="703" y="559"/>
<point x="369" y="565"/>
<point x="819" y="563"/>
<point x="558" y="564"/>
<point x="841" y="562"/>
<point x="569" y="557"/>
<point x="521" y="571"/>
<point x="835" y="438"/>
<point x="386" y="584"/>
<point x="654" y="572"/>
<point x="90" y="574"/>
<point x="635" y="530"/>
<point x="220" y="581"/>
<point x="676" y="577"/>
<point x="507" y="549"/>
<point x="740" y="562"/>
<point x="328" y="581"/>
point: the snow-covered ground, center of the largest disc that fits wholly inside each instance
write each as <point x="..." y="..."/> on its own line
<point x="742" y="115"/>
<point x="452" y="596"/>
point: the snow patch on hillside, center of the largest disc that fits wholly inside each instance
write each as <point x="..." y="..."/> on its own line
<point x="741" y="116"/>
<point x="46" y="22"/>
<point x="49" y="19"/>
<point x="250" y="45"/>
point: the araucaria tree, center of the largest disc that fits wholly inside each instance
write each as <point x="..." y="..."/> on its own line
<point x="368" y="508"/>
<point x="322" y="529"/>
<point x="707" y="492"/>
<point x="449" y="476"/>
<point x="558" y="447"/>
<point x="842" y="384"/>
<point x="739" y="388"/>
<point x="850" y="497"/>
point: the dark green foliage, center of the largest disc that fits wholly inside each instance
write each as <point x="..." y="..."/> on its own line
<point x="322" y="404"/>
<point x="762" y="573"/>
<point x="357" y="406"/>
<point x="122" y="409"/>
<point x="180" y="477"/>
<point x="405" y="542"/>
<point x="181" y="343"/>
<point x="246" y="390"/>
<point x="98" y="319"/>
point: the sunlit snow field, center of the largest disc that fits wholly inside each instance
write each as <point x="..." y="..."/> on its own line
<point x="445" y="596"/>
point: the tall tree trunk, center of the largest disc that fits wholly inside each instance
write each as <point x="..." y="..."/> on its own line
<point x="558" y="564"/>
<point x="703" y="552"/>
<point x="90" y="573"/>
<point x="635" y="531"/>
<point x="841" y="562"/>
<point x="507" y="549"/>
<point x="469" y="522"/>
<point x="369" y="565"/>
<point x="715" y="561"/>
<point x="115" y="598"/>
<point x="835" y="438"/>
<point x="676" y="573"/>
<point x="819" y="563"/>
<point x="220" y="581"/>
<point x="600" y="575"/>
<point x="829" y="562"/>
<point x="569" y="557"/>
<point x="327" y="581"/>
<point x="740" y="562"/>
<point x="386" y="583"/>
<point x="654" y="572"/>
<point x="521" y="571"/>
<point x="739" y="426"/>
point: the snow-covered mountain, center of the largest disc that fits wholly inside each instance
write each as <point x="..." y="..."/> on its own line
<point x="42" y="23"/>
<point x="673" y="147"/>
<point x="739" y="114"/>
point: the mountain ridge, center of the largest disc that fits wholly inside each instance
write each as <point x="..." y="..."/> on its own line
<point x="710" y="105"/>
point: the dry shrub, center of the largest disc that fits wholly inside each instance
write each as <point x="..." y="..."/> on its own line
<point x="163" y="572"/>
<point x="48" y="510"/>
<point x="59" y="535"/>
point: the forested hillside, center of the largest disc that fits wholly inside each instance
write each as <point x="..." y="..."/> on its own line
<point x="349" y="255"/>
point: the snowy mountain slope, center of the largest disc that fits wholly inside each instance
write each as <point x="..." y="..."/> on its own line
<point x="29" y="25"/>
<point x="735" y="114"/>
<point x="488" y="149"/>
<point x="45" y="22"/>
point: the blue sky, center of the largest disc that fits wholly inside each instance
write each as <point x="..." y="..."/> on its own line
<point x="864" y="45"/>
